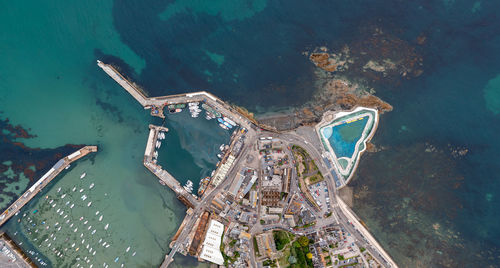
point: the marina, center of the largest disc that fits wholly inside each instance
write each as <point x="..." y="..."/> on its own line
<point x="215" y="108"/>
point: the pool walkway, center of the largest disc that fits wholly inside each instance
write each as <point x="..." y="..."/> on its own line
<point x="44" y="181"/>
<point x="343" y="172"/>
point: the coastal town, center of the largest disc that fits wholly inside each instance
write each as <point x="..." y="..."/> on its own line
<point x="273" y="199"/>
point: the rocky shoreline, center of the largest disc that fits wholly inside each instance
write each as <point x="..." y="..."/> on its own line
<point x="347" y="77"/>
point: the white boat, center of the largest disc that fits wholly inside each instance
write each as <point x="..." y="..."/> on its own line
<point x="85" y="222"/>
<point x="90" y="203"/>
<point x="90" y="227"/>
<point x="76" y="229"/>
<point x="127" y="249"/>
<point x="72" y="205"/>
<point x="100" y="218"/>
<point x="223" y="126"/>
<point x="91" y="186"/>
<point x="67" y="166"/>
<point x="58" y="189"/>
<point x="74" y="188"/>
<point x="54" y="205"/>
<point x="97" y="213"/>
<point x="50" y="202"/>
<point x="106" y="227"/>
<point x="93" y="232"/>
<point x="133" y="254"/>
<point x="229" y="121"/>
<point x="83" y="175"/>
<point x="155" y="154"/>
<point x="84" y="197"/>
<point x="63" y="196"/>
<point x="100" y="240"/>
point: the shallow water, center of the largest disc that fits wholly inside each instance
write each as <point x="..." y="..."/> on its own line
<point x="252" y="54"/>
<point x="345" y="136"/>
<point x="189" y="151"/>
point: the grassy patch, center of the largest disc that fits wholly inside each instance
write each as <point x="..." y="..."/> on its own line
<point x="281" y="239"/>
<point x="300" y="254"/>
<point x="255" y="246"/>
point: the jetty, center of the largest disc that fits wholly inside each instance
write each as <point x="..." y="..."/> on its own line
<point x="44" y="181"/>
<point x="157" y="104"/>
<point x="165" y="177"/>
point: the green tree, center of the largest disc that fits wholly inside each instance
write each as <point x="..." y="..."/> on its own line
<point x="303" y="241"/>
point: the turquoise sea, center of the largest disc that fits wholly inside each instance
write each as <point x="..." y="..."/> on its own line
<point x="430" y="195"/>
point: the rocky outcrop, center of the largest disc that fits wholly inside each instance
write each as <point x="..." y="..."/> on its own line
<point x="376" y="56"/>
<point x="330" y="62"/>
<point x="336" y="94"/>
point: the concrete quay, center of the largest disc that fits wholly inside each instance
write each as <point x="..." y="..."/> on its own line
<point x="11" y="255"/>
<point x="131" y="88"/>
<point x="165" y="177"/>
<point x="158" y="103"/>
<point x="44" y="181"/>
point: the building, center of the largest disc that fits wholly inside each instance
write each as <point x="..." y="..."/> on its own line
<point x="272" y="183"/>
<point x="287" y="173"/>
<point x="222" y="171"/>
<point x="270" y="198"/>
<point x="290" y="220"/>
<point x="265" y="243"/>
<point x="253" y="198"/>
<point x="275" y="210"/>
<point x="250" y="184"/>
<point x="211" y="244"/>
<point x="236" y="185"/>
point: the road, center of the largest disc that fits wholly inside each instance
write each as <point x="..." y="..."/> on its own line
<point x="340" y="213"/>
<point x="310" y="142"/>
<point x="205" y="202"/>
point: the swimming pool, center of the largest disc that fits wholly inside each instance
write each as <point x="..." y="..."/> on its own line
<point x="343" y="137"/>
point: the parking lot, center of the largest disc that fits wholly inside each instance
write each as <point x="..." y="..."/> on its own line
<point x="319" y="191"/>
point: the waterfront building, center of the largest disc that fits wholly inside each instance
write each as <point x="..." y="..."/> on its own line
<point x="211" y="244"/>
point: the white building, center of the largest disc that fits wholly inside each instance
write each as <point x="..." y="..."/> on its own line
<point x="211" y="244"/>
